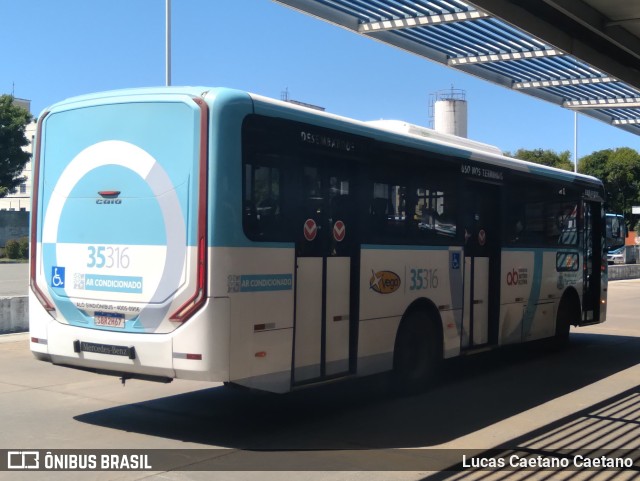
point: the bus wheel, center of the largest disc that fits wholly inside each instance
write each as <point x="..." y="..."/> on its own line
<point x="416" y="355"/>
<point x="564" y="319"/>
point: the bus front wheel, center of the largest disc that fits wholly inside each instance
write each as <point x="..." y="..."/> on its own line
<point x="416" y="354"/>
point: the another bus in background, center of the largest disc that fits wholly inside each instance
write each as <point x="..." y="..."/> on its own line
<point x="617" y="232"/>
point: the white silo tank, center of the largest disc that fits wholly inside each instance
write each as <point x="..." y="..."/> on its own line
<point x="450" y="112"/>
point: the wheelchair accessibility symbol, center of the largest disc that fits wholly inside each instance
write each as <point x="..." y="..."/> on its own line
<point x="57" y="276"/>
<point x="455" y="260"/>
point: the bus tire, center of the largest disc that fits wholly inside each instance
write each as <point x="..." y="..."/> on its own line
<point x="416" y="356"/>
<point x="565" y="317"/>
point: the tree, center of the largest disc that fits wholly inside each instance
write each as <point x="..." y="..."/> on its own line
<point x="13" y="120"/>
<point x="619" y="170"/>
<point x="623" y="178"/>
<point x="595" y="164"/>
<point x="547" y="157"/>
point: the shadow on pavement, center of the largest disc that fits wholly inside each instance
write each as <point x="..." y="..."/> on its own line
<point x="475" y="392"/>
<point x="608" y="431"/>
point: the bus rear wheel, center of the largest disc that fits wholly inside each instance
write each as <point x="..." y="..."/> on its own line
<point x="565" y="317"/>
<point x="416" y="355"/>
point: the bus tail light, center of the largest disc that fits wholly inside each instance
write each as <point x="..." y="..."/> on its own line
<point x="198" y="299"/>
<point x="33" y="241"/>
<point x="42" y="298"/>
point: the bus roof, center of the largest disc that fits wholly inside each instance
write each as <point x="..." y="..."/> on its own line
<point x="142" y="92"/>
<point x="394" y="130"/>
<point x="420" y="137"/>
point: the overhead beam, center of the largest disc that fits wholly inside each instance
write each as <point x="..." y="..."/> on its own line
<point x="537" y="84"/>
<point x="622" y="21"/>
<point x="419" y="21"/>
<point x="552" y="33"/>
<point x="626" y="122"/>
<point x="503" y="57"/>
<point x="590" y="18"/>
<point x="612" y="103"/>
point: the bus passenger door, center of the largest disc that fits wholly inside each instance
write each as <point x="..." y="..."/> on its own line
<point x="324" y="251"/>
<point x="481" y="257"/>
<point x="592" y="255"/>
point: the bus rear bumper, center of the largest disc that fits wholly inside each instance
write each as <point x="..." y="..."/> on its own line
<point x="146" y="354"/>
<point x="192" y="351"/>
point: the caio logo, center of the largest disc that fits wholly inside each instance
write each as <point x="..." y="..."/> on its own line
<point x="109" y="197"/>
<point x="384" y="282"/>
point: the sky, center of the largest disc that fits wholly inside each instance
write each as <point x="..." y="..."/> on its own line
<point x="56" y="49"/>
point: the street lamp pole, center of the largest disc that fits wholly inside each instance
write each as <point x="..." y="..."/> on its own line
<point x="575" y="141"/>
<point x="168" y="43"/>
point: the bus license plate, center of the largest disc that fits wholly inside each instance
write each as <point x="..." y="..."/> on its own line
<point x="109" y="319"/>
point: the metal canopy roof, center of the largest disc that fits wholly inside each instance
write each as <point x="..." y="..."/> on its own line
<point x="581" y="54"/>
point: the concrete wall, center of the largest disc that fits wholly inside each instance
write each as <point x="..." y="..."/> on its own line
<point x="14" y="314"/>
<point x="627" y="271"/>
<point x="13" y="225"/>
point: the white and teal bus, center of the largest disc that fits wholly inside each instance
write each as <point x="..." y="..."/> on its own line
<point x="213" y="234"/>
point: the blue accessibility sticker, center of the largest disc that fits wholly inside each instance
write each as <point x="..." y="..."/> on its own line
<point x="57" y="277"/>
<point x="455" y="260"/>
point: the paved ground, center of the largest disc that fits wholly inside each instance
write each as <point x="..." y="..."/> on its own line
<point x="14" y="279"/>
<point x="526" y="401"/>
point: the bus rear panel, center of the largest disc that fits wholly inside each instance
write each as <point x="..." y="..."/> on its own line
<point x="119" y="244"/>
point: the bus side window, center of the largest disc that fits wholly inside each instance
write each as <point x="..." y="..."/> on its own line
<point x="540" y="215"/>
<point x="261" y="210"/>
<point x="388" y="212"/>
<point x="566" y="223"/>
<point x="341" y="207"/>
<point x="378" y="213"/>
<point x="434" y="214"/>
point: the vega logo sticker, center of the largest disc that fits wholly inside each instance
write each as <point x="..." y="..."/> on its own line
<point x="384" y="282"/>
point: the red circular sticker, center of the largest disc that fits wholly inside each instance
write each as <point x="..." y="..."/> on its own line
<point x="482" y="237"/>
<point x="339" y="231"/>
<point x="310" y="229"/>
